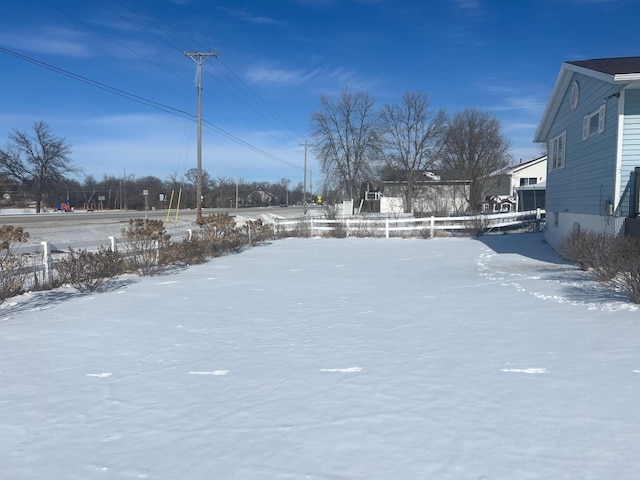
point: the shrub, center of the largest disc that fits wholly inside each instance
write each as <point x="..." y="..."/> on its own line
<point x="89" y="271"/>
<point x="611" y="259"/>
<point x="591" y="251"/>
<point x="258" y="232"/>
<point x="190" y="251"/>
<point x="220" y="233"/>
<point x="145" y="238"/>
<point x="625" y="255"/>
<point x="477" y="227"/>
<point x="12" y="274"/>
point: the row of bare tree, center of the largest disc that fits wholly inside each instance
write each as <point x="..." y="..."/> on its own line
<point x="37" y="168"/>
<point x="354" y="142"/>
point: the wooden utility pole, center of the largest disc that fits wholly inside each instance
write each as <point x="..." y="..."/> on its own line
<point x="199" y="58"/>
<point x="304" y="191"/>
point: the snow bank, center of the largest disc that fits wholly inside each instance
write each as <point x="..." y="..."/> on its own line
<point x="444" y="359"/>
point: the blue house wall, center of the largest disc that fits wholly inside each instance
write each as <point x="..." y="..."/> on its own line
<point x="590" y="165"/>
<point x="630" y="155"/>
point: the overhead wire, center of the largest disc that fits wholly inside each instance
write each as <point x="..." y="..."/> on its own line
<point x="142" y="100"/>
<point x="100" y="85"/>
<point x="264" y="107"/>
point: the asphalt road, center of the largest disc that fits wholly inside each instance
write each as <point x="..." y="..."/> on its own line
<point x="81" y="217"/>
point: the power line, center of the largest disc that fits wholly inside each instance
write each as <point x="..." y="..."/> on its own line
<point x="150" y="60"/>
<point x="100" y="85"/>
<point x="249" y="146"/>
<point x="142" y="100"/>
<point x="254" y="97"/>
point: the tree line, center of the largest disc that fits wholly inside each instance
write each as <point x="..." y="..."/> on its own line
<point x="36" y="170"/>
<point x="356" y="143"/>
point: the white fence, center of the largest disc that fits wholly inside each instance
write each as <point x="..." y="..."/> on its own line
<point x="410" y="226"/>
<point x="41" y="260"/>
<point x="44" y="256"/>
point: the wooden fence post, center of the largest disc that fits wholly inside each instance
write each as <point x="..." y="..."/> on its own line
<point x="46" y="262"/>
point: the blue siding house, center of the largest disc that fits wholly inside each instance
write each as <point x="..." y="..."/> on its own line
<point x="591" y="126"/>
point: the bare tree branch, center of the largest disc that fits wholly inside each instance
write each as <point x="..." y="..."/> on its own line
<point x="39" y="162"/>
<point x="413" y="138"/>
<point x="346" y="139"/>
<point x="475" y="147"/>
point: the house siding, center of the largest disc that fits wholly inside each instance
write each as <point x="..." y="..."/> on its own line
<point x="589" y="164"/>
<point x="630" y="157"/>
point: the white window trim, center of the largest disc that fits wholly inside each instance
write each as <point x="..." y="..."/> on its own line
<point x="557" y="154"/>
<point x="587" y="132"/>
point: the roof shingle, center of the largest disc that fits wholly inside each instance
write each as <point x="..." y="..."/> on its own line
<point x="611" y="66"/>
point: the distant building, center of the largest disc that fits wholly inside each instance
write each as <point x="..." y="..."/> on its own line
<point x="517" y="187"/>
<point x="437" y="193"/>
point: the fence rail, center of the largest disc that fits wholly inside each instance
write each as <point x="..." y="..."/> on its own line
<point x="403" y="226"/>
<point x="43" y="257"/>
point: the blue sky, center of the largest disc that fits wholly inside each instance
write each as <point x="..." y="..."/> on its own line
<point x="275" y="59"/>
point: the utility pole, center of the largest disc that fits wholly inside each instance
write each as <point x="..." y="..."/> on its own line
<point x="199" y="58"/>
<point x="304" y="191"/>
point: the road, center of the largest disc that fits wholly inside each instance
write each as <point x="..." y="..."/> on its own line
<point x="83" y="226"/>
<point x="82" y="217"/>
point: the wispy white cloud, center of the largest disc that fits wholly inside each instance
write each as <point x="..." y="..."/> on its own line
<point x="278" y="76"/>
<point x="317" y="3"/>
<point x="50" y="40"/>
<point x="468" y="7"/>
<point x="249" y="17"/>
<point x="275" y="76"/>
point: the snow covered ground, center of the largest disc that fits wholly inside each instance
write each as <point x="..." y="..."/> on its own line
<point x="450" y="358"/>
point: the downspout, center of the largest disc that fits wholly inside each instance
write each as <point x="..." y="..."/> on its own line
<point x="618" y="180"/>
<point x="633" y="210"/>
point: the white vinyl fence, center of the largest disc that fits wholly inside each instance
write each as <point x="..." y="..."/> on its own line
<point x="410" y="226"/>
<point x="42" y="258"/>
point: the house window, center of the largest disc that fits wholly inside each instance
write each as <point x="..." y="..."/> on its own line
<point x="556" y="219"/>
<point x="528" y="181"/>
<point x="556" y="151"/>
<point x="593" y="124"/>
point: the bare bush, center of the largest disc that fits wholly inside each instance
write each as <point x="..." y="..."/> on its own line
<point x="625" y="260"/>
<point x="89" y="271"/>
<point x="611" y="259"/>
<point x="144" y="240"/>
<point x="190" y="251"/>
<point x="258" y="232"/>
<point x="220" y="233"/>
<point x="302" y="228"/>
<point x="591" y="251"/>
<point x="12" y="276"/>
<point x="477" y="227"/>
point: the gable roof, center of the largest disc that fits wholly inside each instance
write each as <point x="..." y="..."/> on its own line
<point x="619" y="70"/>
<point x="511" y="169"/>
<point x="611" y="66"/>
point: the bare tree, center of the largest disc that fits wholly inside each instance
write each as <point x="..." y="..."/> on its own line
<point x="284" y="182"/>
<point x="475" y="147"/>
<point x="346" y="141"/>
<point x="413" y="139"/>
<point x="39" y="162"/>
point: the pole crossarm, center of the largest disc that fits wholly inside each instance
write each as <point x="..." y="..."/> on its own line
<point x="199" y="58"/>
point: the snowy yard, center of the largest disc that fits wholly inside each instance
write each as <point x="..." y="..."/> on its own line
<point x="323" y="359"/>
